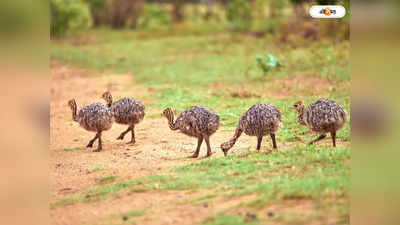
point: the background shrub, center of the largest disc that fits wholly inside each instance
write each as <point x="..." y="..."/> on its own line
<point x="238" y="13"/>
<point x="153" y="16"/>
<point x="98" y="11"/>
<point x="68" y="17"/>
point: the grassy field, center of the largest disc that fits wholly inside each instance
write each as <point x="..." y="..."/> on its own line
<point x="218" y="70"/>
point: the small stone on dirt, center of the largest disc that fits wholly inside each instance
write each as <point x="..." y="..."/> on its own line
<point x="205" y="205"/>
<point x="270" y="214"/>
<point x="64" y="190"/>
<point x="124" y="218"/>
<point x="251" y="216"/>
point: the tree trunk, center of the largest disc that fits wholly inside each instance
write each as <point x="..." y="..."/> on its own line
<point x="210" y="5"/>
<point x="119" y="11"/>
<point x="299" y="11"/>
<point x="177" y="12"/>
<point x="137" y="9"/>
<point x="124" y="11"/>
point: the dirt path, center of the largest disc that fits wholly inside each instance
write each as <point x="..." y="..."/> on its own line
<point x="75" y="168"/>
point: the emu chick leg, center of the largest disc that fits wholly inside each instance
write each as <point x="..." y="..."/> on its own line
<point x="209" y="153"/>
<point x="90" y="144"/>
<point x="122" y="135"/>
<point x="99" y="146"/>
<point x="273" y="141"/>
<point x="133" y="135"/>
<point x="322" y="136"/>
<point x="196" y="153"/>
<point x="333" y="135"/>
<point x="259" y="140"/>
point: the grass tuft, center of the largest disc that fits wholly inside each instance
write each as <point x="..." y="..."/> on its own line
<point x="107" y="179"/>
<point x="72" y="149"/>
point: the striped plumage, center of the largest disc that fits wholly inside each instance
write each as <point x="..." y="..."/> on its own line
<point x="95" y="117"/>
<point x="197" y="122"/>
<point x="260" y="120"/>
<point x="126" y="111"/>
<point x="323" y="116"/>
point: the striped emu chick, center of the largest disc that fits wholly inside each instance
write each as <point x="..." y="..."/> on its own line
<point x="195" y="122"/>
<point x="323" y="116"/>
<point x="126" y="111"/>
<point x="95" y="117"/>
<point x="260" y="120"/>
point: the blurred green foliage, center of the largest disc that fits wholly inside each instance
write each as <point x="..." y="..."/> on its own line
<point x="68" y="17"/>
<point x="153" y="16"/>
<point x="276" y="7"/>
<point x="346" y="4"/>
<point x="96" y="5"/>
<point x="238" y="12"/>
<point x="327" y="2"/>
<point x="299" y="1"/>
<point x="259" y="16"/>
<point x="97" y="9"/>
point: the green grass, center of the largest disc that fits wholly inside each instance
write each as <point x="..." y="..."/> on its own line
<point x="199" y="60"/>
<point x="107" y="179"/>
<point x="227" y="220"/>
<point x="134" y="213"/>
<point x="97" y="169"/>
<point x="72" y="149"/>
<point x="297" y="173"/>
<point x="205" y="199"/>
